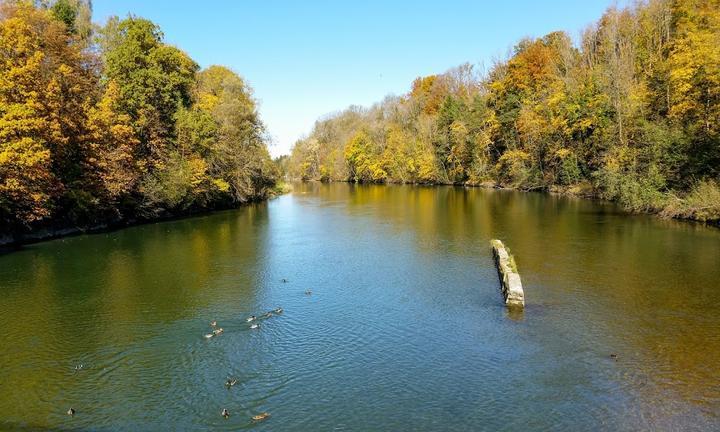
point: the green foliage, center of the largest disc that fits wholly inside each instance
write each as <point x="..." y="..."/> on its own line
<point x="181" y="184"/>
<point x="74" y="14"/>
<point x="635" y="193"/>
<point x="64" y="11"/>
<point x="514" y="169"/>
<point x="238" y="156"/>
<point x="153" y="79"/>
<point x="702" y="203"/>
<point x="567" y="167"/>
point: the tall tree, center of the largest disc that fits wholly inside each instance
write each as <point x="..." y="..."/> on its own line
<point x="154" y="81"/>
<point x="46" y="84"/>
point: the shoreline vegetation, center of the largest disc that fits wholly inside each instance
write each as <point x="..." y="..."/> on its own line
<point x="630" y="114"/>
<point x="107" y="126"/>
<point x="11" y="241"/>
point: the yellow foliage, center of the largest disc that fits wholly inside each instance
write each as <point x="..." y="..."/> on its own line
<point x="221" y="185"/>
<point x="113" y="143"/>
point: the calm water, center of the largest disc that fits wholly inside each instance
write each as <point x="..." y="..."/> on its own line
<point x="405" y="328"/>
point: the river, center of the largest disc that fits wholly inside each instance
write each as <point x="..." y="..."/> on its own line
<point x="404" y="328"/>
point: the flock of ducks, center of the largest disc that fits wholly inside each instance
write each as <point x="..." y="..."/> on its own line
<point x="252" y="320"/>
<point x="217" y="331"/>
<point x="254" y="324"/>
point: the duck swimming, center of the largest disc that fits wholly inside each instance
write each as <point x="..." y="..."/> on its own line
<point x="278" y="310"/>
<point x="268" y="315"/>
<point x="230" y="382"/>
<point x="213" y="323"/>
<point x="308" y="292"/>
<point x="217" y="331"/>
<point x="71" y="412"/>
<point x="284" y="280"/>
<point x="209" y="335"/>
<point x="255" y="326"/>
<point x="260" y="417"/>
<point x="251" y="318"/>
<point x="225" y="413"/>
<point x="614" y="356"/>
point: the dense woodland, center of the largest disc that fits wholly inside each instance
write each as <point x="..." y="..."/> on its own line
<point x="630" y="113"/>
<point x="107" y="124"/>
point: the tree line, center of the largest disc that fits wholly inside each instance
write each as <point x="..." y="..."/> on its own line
<point x="631" y="113"/>
<point x="106" y="124"/>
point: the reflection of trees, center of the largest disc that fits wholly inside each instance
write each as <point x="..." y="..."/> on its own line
<point x="448" y="215"/>
<point x="638" y="282"/>
<point x="87" y="298"/>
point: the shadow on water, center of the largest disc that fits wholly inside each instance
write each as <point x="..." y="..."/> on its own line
<point x="515" y="314"/>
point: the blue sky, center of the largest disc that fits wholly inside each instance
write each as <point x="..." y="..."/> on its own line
<point x="306" y="59"/>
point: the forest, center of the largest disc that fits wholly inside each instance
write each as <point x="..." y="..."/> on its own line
<point x="104" y="124"/>
<point x="630" y="113"/>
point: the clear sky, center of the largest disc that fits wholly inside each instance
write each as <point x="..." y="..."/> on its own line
<point x="308" y="58"/>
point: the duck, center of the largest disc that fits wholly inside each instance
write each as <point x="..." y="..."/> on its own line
<point x="217" y="331"/>
<point x="230" y="382"/>
<point x="213" y="323"/>
<point x="268" y="315"/>
<point x="78" y="367"/>
<point x="308" y="292"/>
<point x="255" y="326"/>
<point x="614" y="356"/>
<point x="251" y="318"/>
<point x="225" y="413"/>
<point x="208" y="336"/>
<point x="283" y="280"/>
<point x="278" y="310"/>
<point x="260" y="417"/>
<point x="71" y="412"/>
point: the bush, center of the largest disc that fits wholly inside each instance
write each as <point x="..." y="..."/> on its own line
<point x="702" y="203"/>
<point x="635" y="193"/>
<point x="569" y="171"/>
<point x="514" y="169"/>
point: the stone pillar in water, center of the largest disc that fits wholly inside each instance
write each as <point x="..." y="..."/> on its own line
<point x="510" y="283"/>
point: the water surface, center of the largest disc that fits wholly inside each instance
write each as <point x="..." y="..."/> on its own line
<point x="404" y="330"/>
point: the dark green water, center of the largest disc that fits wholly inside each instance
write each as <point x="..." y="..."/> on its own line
<point x="404" y="331"/>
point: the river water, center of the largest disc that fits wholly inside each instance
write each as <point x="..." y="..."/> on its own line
<point x="404" y="330"/>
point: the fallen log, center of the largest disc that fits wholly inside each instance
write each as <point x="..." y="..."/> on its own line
<point x="510" y="283"/>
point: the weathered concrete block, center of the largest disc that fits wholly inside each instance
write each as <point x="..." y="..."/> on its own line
<point x="510" y="283"/>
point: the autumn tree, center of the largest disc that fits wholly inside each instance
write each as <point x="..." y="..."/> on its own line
<point x="694" y="79"/>
<point x="113" y="146"/>
<point x="46" y="84"/>
<point x="116" y="127"/>
<point x="239" y="156"/>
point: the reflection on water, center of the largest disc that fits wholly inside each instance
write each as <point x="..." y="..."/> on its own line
<point x="405" y="329"/>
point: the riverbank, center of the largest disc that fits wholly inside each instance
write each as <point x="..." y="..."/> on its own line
<point x="701" y="205"/>
<point x="10" y="241"/>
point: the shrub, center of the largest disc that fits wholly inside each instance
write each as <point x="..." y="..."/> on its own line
<point x="702" y="203"/>
<point x="635" y="193"/>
